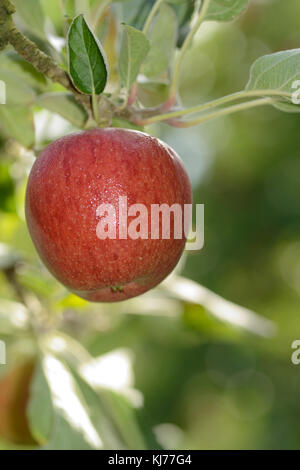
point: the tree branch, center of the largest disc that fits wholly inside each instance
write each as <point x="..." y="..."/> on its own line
<point x="31" y="53"/>
<point x="6" y="10"/>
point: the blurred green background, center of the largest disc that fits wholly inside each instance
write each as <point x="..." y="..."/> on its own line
<point x="206" y="384"/>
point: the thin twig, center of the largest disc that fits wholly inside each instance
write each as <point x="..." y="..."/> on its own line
<point x="151" y="15"/>
<point x="186" y="45"/>
<point x="224" y="112"/>
<point x="31" y="53"/>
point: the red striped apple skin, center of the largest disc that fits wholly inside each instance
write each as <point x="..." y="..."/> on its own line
<point x="71" y="178"/>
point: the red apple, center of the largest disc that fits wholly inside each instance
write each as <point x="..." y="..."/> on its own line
<point x="77" y="173"/>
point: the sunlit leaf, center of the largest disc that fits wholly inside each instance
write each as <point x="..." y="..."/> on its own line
<point x="66" y="423"/>
<point x="79" y="412"/>
<point x="276" y="72"/>
<point x="101" y="417"/>
<point x="190" y="291"/>
<point x="110" y="376"/>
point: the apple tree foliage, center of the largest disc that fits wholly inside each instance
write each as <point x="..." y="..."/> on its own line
<point x="102" y="63"/>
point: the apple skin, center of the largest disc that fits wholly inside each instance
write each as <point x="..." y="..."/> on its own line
<point x="71" y="178"/>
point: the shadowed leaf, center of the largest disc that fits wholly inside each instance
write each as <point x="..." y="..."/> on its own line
<point x="65" y="105"/>
<point x="135" y="47"/>
<point x="225" y="10"/>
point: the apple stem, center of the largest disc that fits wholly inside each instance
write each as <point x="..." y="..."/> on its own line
<point x="95" y="106"/>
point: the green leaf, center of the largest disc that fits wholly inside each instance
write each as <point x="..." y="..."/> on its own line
<point x="124" y="418"/>
<point x="17" y="123"/>
<point x="134" y="49"/>
<point x="276" y="72"/>
<point x="115" y="401"/>
<point x="66" y="423"/>
<point x="30" y="12"/>
<point x="64" y="104"/>
<point x="118" y="425"/>
<point x="224" y="310"/>
<point x="87" y="61"/>
<point x="104" y="423"/>
<point x="225" y="10"/>
<point x="67" y="410"/>
<point x="40" y="409"/>
<point x="162" y="37"/>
